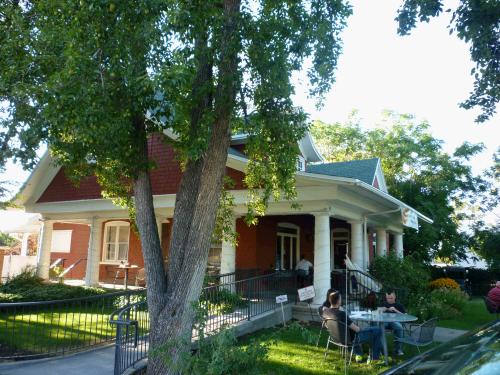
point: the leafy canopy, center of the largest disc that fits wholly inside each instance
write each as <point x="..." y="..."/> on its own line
<point x="84" y="75"/>
<point x="419" y="173"/>
<point x="477" y="23"/>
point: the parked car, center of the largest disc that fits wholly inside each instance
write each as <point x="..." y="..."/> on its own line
<point x="476" y="352"/>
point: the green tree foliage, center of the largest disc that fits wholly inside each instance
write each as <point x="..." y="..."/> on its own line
<point x="95" y="79"/>
<point x="476" y="22"/>
<point x="419" y="173"/>
<point x="6" y="240"/>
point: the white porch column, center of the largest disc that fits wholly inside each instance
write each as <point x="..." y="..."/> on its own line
<point x="322" y="278"/>
<point x="357" y="243"/>
<point x="43" y="255"/>
<point x="228" y="253"/>
<point x="398" y="244"/>
<point x="94" y="253"/>
<point x="159" y="222"/>
<point x="381" y="242"/>
<point x="24" y="244"/>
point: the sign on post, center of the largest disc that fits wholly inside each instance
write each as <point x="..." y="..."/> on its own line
<point x="306" y="293"/>
<point x="282" y="299"/>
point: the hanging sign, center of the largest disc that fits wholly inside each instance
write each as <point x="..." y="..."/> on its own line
<point x="306" y="293"/>
<point x="409" y="218"/>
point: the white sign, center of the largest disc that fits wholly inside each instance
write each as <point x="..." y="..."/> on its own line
<point x="281" y="299"/>
<point x="306" y="293"/>
<point x="409" y="218"/>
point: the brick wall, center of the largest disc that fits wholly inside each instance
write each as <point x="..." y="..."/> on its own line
<point x="79" y="249"/>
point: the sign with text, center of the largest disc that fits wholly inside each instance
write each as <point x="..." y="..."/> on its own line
<point x="282" y="299"/>
<point x="306" y="293"/>
<point x="409" y="218"/>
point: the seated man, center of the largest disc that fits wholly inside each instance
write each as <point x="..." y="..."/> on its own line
<point x="369" y="334"/>
<point x="494" y="295"/>
<point x="391" y="306"/>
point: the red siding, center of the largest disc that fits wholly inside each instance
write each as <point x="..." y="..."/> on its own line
<point x="257" y="244"/>
<point x="375" y="183"/>
<point x="165" y="178"/>
<point x="79" y="249"/>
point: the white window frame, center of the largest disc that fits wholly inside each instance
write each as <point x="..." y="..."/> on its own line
<point x="107" y="227"/>
<point x="295" y="236"/>
<point x="61" y="241"/>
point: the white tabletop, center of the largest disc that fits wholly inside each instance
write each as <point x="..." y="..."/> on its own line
<point x="375" y="316"/>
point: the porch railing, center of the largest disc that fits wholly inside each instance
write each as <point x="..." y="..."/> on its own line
<point x="362" y="288"/>
<point x="222" y="305"/>
<point x="40" y="329"/>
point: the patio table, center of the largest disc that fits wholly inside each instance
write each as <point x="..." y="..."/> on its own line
<point x="126" y="268"/>
<point x="381" y="319"/>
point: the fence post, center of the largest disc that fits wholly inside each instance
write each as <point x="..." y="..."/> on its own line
<point x="118" y="349"/>
<point x="249" y="290"/>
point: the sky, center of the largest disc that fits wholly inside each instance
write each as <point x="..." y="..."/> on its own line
<point x="426" y="74"/>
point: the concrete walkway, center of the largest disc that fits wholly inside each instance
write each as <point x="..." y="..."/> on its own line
<point x="101" y="361"/>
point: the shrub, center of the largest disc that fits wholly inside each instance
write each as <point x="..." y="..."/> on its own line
<point x="221" y="301"/>
<point x="444" y="282"/>
<point x="444" y="303"/>
<point x="397" y="273"/>
<point x="27" y="287"/>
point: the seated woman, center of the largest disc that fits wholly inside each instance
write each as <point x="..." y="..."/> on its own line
<point x="372" y="335"/>
<point x="326" y="304"/>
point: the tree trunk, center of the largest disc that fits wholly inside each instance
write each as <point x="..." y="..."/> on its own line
<point x="194" y="217"/>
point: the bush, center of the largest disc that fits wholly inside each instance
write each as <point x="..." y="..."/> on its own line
<point x="221" y="301"/>
<point x="27" y="287"/>
<point x="443" y="303"/>
<point x="444" y="282"/>
<point x="397" y="273"/>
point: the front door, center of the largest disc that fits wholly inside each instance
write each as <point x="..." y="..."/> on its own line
<point x="287" y="247"/>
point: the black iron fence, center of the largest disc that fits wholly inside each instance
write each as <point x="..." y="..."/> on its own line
<point x="132" y="335"/>
<point x="232" y="277"/>
<point x="221" y="305"/>
<point x="40" y="329"/>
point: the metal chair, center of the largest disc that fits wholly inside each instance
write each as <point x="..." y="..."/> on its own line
<point x="420" y="334"/>
<point x="491" y="306"/>
<point x="340" y="336"/>
<point x="140" y="277"/>
<point x="323" y="324"/>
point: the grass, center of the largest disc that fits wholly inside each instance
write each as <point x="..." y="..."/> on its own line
<point x="292" y="353"/>
<point x="473" y="316"/>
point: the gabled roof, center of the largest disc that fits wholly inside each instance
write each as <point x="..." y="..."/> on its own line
<point x="363" y="170"/>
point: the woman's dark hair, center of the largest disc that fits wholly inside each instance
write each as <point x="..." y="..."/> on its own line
<point x="334" y="298"/>
<point x="327" y="299"/>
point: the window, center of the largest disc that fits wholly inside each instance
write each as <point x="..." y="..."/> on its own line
<point x="301" y="163"/>
<point x="116" y="235"/>
<point x="61" y="241"/>
<point x="287" y="246"/>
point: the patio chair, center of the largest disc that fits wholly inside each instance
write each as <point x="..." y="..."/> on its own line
<point x="323" y="324"/>
<point x="140" y="277"/>
<point x="339" y="336"/>
<point x="420" y="334"/>
<point x="491" y="306"/>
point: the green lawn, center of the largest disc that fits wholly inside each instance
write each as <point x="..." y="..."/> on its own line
<point x="474" y="315"/>
<point x="293" y="354"/>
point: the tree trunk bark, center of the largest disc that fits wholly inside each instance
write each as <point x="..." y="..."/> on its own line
<point x="194" y="216"/>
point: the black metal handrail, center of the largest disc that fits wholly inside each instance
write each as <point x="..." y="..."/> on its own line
<point x="46" y="328"/>
<point x="223" y="305"/>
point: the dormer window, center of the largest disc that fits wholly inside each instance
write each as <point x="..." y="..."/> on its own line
<point x="301" y="164"/>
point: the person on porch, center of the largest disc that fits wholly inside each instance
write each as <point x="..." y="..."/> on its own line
<point x="303" y="269"/>
<point x="391" y="306"/>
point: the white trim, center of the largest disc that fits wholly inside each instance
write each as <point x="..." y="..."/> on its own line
<point x="290" y="235"/>
<point x="116" y="243"/>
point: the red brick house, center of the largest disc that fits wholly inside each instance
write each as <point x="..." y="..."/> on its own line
<point x="343" y="208"/>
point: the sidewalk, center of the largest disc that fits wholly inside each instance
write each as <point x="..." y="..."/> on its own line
<point x="97" y="361"/>
<point x="101" y="361"/>
<point x="447" y="334"/>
